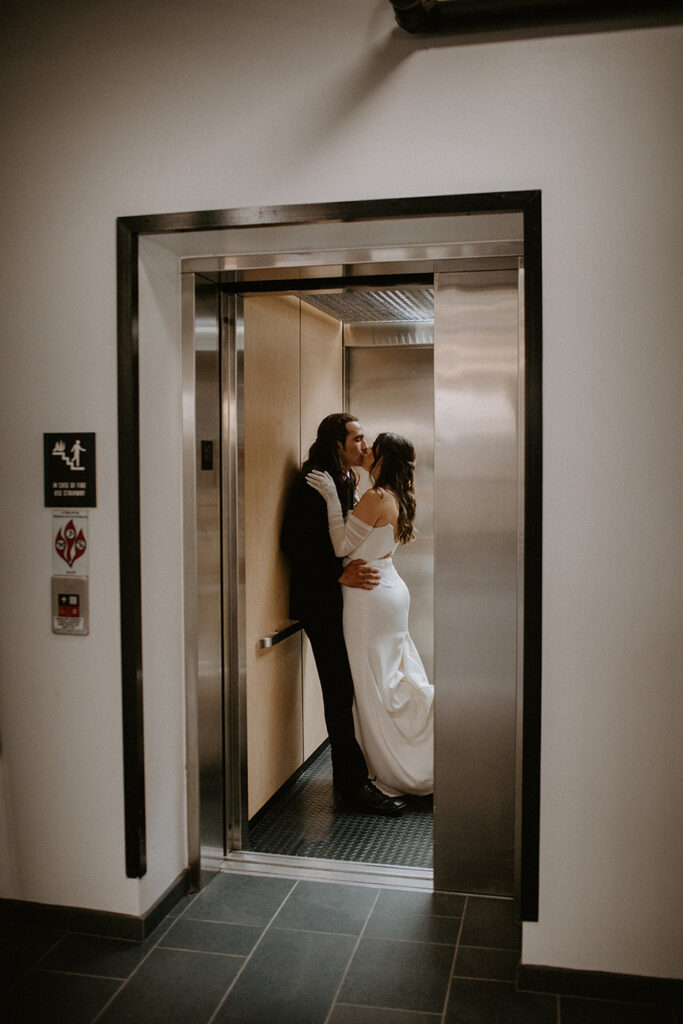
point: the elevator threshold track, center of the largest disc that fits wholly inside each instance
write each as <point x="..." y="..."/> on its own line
<point x="317" y="869"/>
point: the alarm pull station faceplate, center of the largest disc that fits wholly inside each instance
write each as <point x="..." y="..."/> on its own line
<point x="70" y="605"/>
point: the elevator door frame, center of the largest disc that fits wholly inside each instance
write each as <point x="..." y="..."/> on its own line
<point x="130" y="231"/>
<point x="476" y="799"/>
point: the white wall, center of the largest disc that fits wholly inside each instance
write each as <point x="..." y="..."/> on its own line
<point x="128" y="108"/>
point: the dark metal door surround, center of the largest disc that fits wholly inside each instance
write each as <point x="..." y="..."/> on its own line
<point x="129" y="231"/>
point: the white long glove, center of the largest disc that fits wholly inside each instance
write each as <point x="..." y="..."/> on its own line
<point x="344" y="534"/>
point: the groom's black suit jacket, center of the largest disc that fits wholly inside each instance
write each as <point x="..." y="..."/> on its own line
<point x="314" y="567"/>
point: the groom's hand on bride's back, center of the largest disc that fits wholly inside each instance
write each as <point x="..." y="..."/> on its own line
<point x="359" y="574"/>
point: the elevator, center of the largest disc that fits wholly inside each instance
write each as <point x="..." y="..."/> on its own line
<point x="430" y="348"/>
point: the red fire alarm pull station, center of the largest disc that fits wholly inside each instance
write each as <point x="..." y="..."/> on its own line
<point x="70" y="605"/>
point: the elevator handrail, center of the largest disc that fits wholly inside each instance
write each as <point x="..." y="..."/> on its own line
<point x="279" y="635"/>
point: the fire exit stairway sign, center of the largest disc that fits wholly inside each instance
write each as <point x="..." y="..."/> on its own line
<point x="69" y="462"/>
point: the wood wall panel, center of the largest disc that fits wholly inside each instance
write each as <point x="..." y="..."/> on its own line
<point x="272" y="430"/>
<point x="321" y="394"/>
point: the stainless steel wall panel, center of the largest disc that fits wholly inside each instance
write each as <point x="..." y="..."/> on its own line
<point x="234" y="571"/>
<point x="521" y="555"/>
<point x="202" y="599"/>
<point x="190" y="575"/>
<point x="476" y="577"/>
<point x="391" y="388"/>
<point x="210" y="674"/>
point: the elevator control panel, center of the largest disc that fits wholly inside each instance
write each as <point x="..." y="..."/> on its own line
<point x="70" y="605"/>
<point x="207" y="454"/>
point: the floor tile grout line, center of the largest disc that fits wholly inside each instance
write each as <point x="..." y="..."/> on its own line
<point x="437" y="917"/>
<point x="33" y="966"/>
<point x="217" y="920"/>
<point x="312" y="931"/>
<point x="492" y="949"/>
<point x="251" y="954"/>
<point x="179" y="916"/>
<point x="82" y="974"/>
<point x="350" y="960"/>
<point x="449" y="985"/>
<point x="493" y="981"/>
<point x="204" y="952"/>
<point x="394" y="1009"/>
<point x="383" y="938"/>
<point x="163" y="931"/>
<point x="612" y="1000"/>
<point x="111" y="999"/>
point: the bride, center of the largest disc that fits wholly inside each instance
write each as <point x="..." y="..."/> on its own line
<point x="393" y="699"/>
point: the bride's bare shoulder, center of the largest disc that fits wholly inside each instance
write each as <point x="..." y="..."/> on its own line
<point x="378" y="498"/>
<point x="384" y="506"/>
<point x="369" y="508"/>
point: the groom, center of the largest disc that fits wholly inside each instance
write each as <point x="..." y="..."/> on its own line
<point x="316" y="600"/>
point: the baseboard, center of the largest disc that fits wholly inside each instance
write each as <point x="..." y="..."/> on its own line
<point x="289" y="784"/>
<point x="627" y="988"/>
<point x="166" y="902"/>
<point x="95" y="922"/>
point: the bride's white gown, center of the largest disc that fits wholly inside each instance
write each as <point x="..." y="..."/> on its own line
<point x="393" y="705"/>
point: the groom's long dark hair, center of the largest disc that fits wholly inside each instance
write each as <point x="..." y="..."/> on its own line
<point x="324" y="454"/>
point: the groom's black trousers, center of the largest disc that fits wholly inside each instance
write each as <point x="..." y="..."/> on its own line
<point x="325" y="633"/>
<point x="316" y="601"/>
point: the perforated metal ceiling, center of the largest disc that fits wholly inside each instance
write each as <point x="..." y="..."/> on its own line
<point x="388" y="305"/>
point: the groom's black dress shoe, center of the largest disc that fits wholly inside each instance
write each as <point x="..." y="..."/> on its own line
<point x="371" y="799"/>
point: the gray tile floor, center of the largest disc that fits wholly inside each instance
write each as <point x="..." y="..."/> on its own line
<point x="257" y="950"/>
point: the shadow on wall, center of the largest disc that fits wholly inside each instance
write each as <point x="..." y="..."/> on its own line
<point x="377" y="64"/>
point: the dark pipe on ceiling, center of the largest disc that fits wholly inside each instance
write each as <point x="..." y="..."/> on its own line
<point x="414" y="15"/>
<point x="456" y="17"/>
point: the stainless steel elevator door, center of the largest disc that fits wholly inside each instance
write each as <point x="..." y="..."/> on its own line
<point x="208" y="512"/>
<point x="392" y="388"/>
<point x="477" y="470"/>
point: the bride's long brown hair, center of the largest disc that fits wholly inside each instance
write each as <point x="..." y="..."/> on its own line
<point x="397" y="474"/>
